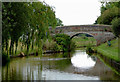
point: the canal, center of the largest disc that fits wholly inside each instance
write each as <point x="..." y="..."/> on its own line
<point x="79" y="66"/>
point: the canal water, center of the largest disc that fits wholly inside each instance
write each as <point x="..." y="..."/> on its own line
<point x="79" y="66"/>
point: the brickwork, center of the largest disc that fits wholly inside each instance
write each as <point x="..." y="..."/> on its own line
<point x="101" y="33"/>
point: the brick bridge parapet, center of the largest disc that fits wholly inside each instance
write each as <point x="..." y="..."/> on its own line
<point x="101" y="33"/>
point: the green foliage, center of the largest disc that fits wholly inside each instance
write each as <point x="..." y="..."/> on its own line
<point x="57" y="47"/>
<point x="59" y="22"/>
<point x="65" y="42"/>
<point x="27" y="22"/>
<point x="109" y="11"/>
<point x="14" y="22"/>
<point x="109" y="5"/>
<point x="89" y="49"/>
<point x="108" y="15"/>
<point x="72" y="46"/>
<point x="116" y="26"/>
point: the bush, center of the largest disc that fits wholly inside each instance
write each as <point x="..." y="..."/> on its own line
<point x="89" y="50"/>
<point x="116" y="27"/>
<point x="57" y="47"/>
<point x="64" y="42"/>
<point x="49" y="45"/>
<point x="72" y="46"/>
<point x="60" y="42"/>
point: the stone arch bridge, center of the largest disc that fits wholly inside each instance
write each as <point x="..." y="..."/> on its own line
<point x="101" y="33"/>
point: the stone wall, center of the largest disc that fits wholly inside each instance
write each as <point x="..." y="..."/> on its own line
<point x="101" y="33"/>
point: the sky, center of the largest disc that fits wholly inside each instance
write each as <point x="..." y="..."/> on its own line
<point x="76" y="12"/>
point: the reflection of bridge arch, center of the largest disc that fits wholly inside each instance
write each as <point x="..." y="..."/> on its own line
<point x="99" y="69"/>
<point x="101" y="33"/>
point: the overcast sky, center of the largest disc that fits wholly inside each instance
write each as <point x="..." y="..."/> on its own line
<point x="76" y="12"/>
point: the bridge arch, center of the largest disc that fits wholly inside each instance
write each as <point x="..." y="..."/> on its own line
<point x="97" y="31"/>
<point x="91" y="41"/>
<point x="90" y="35"/>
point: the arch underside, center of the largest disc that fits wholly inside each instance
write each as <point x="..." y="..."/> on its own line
<point x="100" y="37"/>
<point x="87" y="34"/>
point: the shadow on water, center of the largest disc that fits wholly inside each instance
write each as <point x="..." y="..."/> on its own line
<point x="59" y="66"/>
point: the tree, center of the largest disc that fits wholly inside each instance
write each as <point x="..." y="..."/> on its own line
<point x="59" y="22"/>
<point x="26" y="21"/>
<point x="108" y="15"/>
<point x="14" y="22"/>
<point x="116" y="27"/>
<point x="109" y="5"/>
<point x="109" y="11"/>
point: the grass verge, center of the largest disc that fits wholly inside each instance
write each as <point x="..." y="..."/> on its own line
<point x="84" y="41"/>
<point x="109" y="51"/>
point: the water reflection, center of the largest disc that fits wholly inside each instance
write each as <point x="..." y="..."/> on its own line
<point x="82" y="60"/>
<point x="57" y="75"/>
<point x="0" y="73"/>
<point x="55" y="67"/>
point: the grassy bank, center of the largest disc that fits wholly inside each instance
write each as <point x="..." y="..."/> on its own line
<point x="84" y="41"/>
<point x="109" y="51"/>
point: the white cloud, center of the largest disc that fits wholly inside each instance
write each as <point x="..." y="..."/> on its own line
<point x="76" y="12"/>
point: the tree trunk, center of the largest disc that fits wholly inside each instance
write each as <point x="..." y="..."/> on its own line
<point x="32" y="44"/>
<point x="28" y="44"/>
<point x="11" y="47"/>
<point x="16" y="47"/>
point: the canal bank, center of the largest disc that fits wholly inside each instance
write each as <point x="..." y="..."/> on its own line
<point x="109" y="51"/>
<point x="115" y="66"/>
<point x="109" y="55"/>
